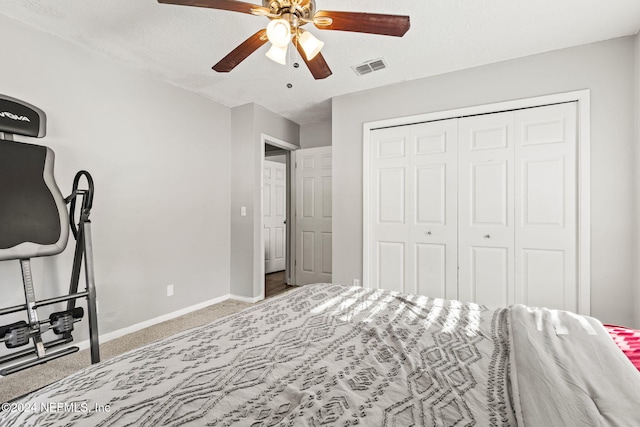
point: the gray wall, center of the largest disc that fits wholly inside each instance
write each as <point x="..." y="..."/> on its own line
<point x="606" y="68"/>
<point x="315" y="134"/>
<point x="637" y="212"/>
<point x="277" y="159"/>
<point x="160" y="158"/>
<point x="248" y="123"/>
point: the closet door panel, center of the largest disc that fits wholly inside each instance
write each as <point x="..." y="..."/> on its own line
<point x="434" y="209"/>
<point x="430" y="194"/>
<point x="431" y="268"/>
<point x="489" y="274"/>
<point x="413" y="244"/>
<point x="388" y="199"/>
<point x="546" y="206"/>
<point x="391" y="195"/>
<point x="543" y="192"/>
<point x="486" y="209"/>
<point x="543" y="277"/>
<point x="489" y="193"/>
<point x="391" y="262"/>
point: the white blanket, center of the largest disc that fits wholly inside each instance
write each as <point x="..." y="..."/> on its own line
<point x="567" y="371"/>
<point x="328" y="355"/>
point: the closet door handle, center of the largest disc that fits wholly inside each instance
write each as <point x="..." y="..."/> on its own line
<point x="487" y="236"/>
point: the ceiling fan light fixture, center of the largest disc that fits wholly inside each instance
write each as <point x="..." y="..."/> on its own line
<point x="310" y="44"/>
<point x="278" y="54"/>
<point x="286" y="17"/>
<point x="279" y="32"/>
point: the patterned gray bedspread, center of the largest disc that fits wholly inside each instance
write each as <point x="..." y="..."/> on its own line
<point x="320" y="355"/>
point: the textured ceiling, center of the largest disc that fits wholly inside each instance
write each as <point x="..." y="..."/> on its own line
<point x="180" y="44"/>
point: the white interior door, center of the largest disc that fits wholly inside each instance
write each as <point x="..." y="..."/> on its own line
<point x="486" y="209"/>
<point x="413" y="171"/>
<point x="275" y="208"/>
<point x="313" y="215"/>
<point x="546" y="186"/>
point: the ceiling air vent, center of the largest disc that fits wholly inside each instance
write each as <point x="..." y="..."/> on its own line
<point x="369" y="66"/>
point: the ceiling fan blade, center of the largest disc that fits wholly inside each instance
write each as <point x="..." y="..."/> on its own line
<point x="232" y="5"/>
<point x="372" y="23"/>
<point x="241" y="52"/>
<point x="318" y="66"/>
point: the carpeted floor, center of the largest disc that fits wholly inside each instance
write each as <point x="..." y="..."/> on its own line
<point x="21" y="383"/>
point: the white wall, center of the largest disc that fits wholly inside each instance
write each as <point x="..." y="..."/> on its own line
<point x="160" y="160"/>
<point x="605" y="68"/>
<point x="248" y="123"/>
<point x="315" y="134"/>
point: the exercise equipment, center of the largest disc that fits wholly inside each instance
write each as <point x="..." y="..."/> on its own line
<point x="35" y="222"/>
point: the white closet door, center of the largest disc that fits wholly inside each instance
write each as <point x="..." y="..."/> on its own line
<point x="413" y="173"/>
<point x="481" y="208"/>
<point x="313" y="215"/>
<point x="517" y="203"/>
<point x="274" y="208"/>
<point x="546" y="212"/>
<point x="486" y="209"/>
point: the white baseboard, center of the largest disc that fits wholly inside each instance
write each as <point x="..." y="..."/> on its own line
<point x="82" y="345"/>
<point x="139" y="326"/>
<point x="247" y="299"/>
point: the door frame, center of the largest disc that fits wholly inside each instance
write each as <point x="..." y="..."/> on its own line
<point x="290" y="196"/>
<point x="583" y="99"/>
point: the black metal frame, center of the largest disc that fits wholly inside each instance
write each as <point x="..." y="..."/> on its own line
<point x="83" y="251"/>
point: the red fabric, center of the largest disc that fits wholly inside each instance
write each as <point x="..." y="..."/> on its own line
<point x="628" y="340"/>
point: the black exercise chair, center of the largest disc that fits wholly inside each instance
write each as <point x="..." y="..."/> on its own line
<point x="34" y="222"/>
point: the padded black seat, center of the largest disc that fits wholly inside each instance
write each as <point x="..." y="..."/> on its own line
<point x="35" y="222"/>
<point x="33" y="213"/>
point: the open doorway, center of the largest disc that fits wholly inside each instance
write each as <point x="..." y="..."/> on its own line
<point x="277" y="216"/>
<point x="274" y="209"/>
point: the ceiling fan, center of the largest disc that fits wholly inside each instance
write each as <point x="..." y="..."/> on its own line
<point x="286" y="20"/>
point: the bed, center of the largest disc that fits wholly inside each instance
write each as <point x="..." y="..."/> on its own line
<point x="329" y="355"/>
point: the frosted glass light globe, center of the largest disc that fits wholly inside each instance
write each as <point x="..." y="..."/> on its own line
<point x="279" y="32"/>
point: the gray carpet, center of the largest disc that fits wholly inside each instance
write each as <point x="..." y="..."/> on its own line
<point x="21" y="383"/>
